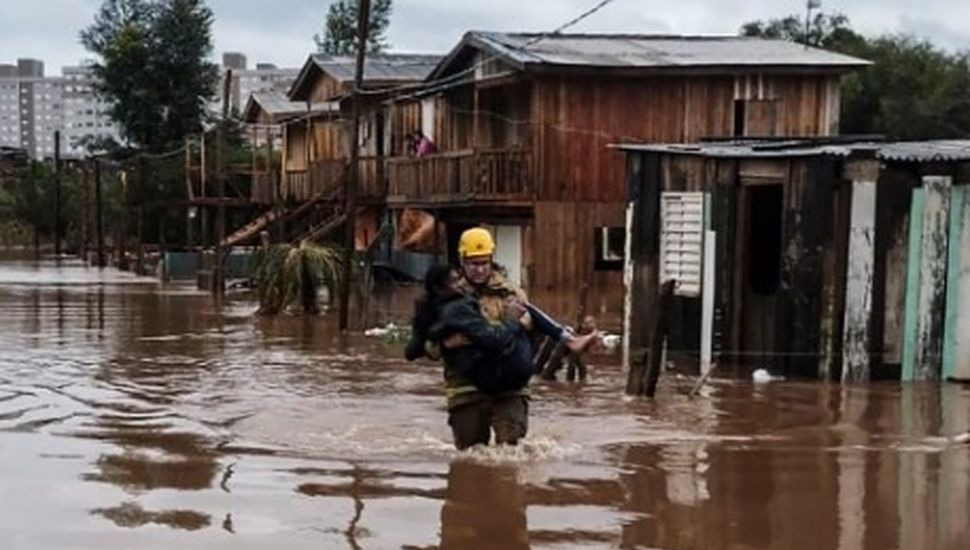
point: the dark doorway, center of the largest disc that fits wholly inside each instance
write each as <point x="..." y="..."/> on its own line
<point x="764" y="238"/>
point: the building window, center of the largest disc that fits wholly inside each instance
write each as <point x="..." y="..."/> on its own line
<point x="609" y="246"/>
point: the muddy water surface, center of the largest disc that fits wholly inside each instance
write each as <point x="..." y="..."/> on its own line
<point x="137" y="416"/>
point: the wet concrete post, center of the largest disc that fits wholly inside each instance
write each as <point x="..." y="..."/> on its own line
<point x="860" y="271"/>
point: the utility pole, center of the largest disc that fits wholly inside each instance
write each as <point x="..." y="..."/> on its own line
<point x="218" y="274"/>
<point x="809" y="6"/>
<point x="99" y="221"/>
<point x="57" y="194"/>
<point x="350" y="191"/>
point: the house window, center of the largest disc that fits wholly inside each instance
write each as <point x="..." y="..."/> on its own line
<point x="609" y="246"/>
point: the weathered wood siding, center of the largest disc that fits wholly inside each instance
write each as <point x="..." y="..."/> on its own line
<point x="325" y="88"/>
<point x="956" y="347"/>
<point x="562" y="255"/>
<point x="926" y="280"/>
<point x="294" y="147"/>
<point x="329" y="140"/>
<point x="576" y="118"/>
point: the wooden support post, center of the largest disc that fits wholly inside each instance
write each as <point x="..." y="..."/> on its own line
<point x="859" y="283"/>
<point x="203" y="210"/>
<point x="273" y="179"/>
<point x="122" y="243"/>
<point x="218" y="271"/>
<point x="190" y="194"/>
<point x="140" y="248"/>
<point x="57" y="194"/>
<point x="99" y="216"/>
<point x="86" y="213"/>
<point x="644" y="183"/>
<point x="647" y="363"/>
<point x="350" y="209"/>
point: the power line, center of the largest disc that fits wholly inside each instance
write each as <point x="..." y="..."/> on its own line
<point x="434" y="85"/>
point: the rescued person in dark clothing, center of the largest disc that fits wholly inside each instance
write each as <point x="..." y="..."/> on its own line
<point x="492" y="358"/>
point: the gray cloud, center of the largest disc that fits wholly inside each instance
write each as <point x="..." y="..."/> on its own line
<point x="281" y="31"/>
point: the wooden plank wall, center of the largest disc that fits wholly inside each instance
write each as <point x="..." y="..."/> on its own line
<point x="405" y="118"/>
<point x="329" y="140"/>
<point x="295" y="146"/>
<point x="562" y="249"/>
<point x="324" y="88"/>
<point x="577" y="118"/>
<point x="454" y="119"/>
<point x="893" y="196"/>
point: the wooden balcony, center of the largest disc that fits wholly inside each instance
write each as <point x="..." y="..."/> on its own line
<point x="299" y="185"/>
<point x="467" y="176"/>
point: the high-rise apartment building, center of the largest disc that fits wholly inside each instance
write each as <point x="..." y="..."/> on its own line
<point x="33" y="107"/>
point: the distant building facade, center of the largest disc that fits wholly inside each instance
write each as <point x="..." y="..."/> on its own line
<point x="265" y="78"/>
<point x="33" y="107"/>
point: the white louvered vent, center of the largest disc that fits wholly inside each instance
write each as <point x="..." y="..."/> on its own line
<point x="682" y="241"/>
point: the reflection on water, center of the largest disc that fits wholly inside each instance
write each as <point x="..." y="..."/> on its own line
<point x="133" y="415"/>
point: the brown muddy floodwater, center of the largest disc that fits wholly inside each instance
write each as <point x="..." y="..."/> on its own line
<point x="137" y="416"/>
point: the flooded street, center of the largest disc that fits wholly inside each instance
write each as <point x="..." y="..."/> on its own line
<point x="139" y="416"/>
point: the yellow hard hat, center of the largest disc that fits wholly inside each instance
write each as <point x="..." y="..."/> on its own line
<point x="476" y="242"/>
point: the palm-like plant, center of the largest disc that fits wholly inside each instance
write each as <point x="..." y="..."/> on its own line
<point x="286" y="275"/>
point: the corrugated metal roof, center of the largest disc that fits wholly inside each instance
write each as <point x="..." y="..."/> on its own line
<point x="383" y="68"/>
<point x="926" y="151"/>
<point x="899" y="151"/>
<point x="655" y="51"/>
<point x="279" y="108"/>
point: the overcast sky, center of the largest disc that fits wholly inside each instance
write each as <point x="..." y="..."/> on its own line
<point x="280" y="31"/>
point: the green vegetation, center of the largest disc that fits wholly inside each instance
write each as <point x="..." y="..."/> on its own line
<point x="153" y="67"/>
<point x="340" y="29"/>
<point x="913" y="90"/>
<point x="287" y="275"/>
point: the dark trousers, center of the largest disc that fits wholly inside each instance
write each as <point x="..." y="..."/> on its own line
<point x="472" y="423"/>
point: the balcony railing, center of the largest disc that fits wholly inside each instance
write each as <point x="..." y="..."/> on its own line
<point x="298" y="186"/>
<point x="485" y="175"/>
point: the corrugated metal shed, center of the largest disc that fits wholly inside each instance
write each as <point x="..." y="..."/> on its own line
<point x="900" y="151"/>
<point x="648" y="52"/>
<point x="280" y="109"/>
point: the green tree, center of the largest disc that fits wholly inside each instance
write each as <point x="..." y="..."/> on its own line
<point x="340" y="29"/>
<point x="913" y="90"/>
<point x="152" y="67"/>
